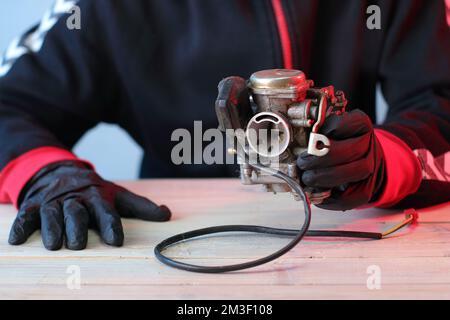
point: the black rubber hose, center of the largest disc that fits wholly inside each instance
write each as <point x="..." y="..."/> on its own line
<point x="297" y="234"/>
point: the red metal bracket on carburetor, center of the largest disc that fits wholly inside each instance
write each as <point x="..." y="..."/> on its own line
<point x="315" y="138"/>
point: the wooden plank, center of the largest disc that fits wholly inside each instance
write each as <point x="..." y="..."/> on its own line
<point x="180" y="292"/>
<point x="286" y="271"/>
<point x="414" y="263"/>
<point x="287" y="278"/>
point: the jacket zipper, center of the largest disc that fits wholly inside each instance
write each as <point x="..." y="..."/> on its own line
<point x="283" y="32"/>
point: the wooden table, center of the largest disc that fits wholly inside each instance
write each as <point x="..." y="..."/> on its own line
<point x="414" y="263"/>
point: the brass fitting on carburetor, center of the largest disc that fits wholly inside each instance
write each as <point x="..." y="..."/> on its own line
<point x="281" y="113"/>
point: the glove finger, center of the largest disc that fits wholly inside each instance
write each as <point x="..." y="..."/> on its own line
<point x="340" y="152"/>
<point x="347" y="125"/>
<point x="339" y="175"/>
<point x="354" y="196"/>
<point x="76" y="220"/>
<point x="132" y="205"/>
<point x="26" y="222"/>
<point x="108" y="221"/>
<point x="52" y="225"/>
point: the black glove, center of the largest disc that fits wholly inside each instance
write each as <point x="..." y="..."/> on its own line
<point x="354" y="168"/>
<point x="67" y="198"/>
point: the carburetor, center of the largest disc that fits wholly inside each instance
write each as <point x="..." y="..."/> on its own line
<point x="276" y="115"/>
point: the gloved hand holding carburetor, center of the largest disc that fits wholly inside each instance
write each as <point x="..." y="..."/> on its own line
<point x="283" y="122"/>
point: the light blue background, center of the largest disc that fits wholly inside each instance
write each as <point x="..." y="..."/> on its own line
<point x="115" y="155"/>
<point x="113" y="152"/>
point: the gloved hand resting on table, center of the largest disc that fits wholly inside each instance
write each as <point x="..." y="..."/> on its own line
<point x="354" y="168"/>
<point x="65" y="199"/>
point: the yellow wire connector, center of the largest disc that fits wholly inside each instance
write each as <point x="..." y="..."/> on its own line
<point x="411" y="216"/>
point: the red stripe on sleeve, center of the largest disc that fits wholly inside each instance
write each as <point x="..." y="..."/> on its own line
<point x="447" y="2"/>
<point x="284" y="33"/>
<point x="20" y="170"/>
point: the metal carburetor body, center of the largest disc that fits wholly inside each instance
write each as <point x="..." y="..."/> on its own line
<point x="277" y="115"/>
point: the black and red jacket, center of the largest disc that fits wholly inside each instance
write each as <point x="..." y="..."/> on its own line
<point x="152" y="66"/>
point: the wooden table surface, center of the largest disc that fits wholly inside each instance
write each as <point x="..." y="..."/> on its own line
<point x="413" y="263"/>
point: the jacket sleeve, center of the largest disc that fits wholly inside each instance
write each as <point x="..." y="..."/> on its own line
<point x="55" y="84"/>
<point x="414" y="72"/>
